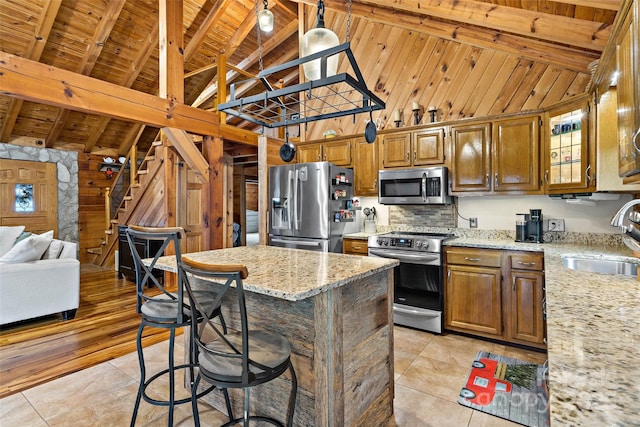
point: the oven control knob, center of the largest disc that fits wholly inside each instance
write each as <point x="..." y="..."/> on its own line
<point x="380" y="242"/>
<point x="418" y="244"/>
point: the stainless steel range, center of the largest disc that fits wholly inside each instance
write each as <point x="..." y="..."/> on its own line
<point x="419" y="279"/>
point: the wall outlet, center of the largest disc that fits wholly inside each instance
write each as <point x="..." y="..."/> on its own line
<point x="473" y="222"/>
<point x="556" y="225"/>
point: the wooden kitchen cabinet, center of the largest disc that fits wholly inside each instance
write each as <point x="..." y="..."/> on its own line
<point x="417" y="148"/>
<point x="569" y="156"/>
<point x="354" y="246"/>
<point x="337" y="152"/>
<point x="515" y="155"/>
<point x="501" y="156"/>
<point x="628" y="59"/>
<point x="473" y="294"/>
<point x="365" y="167"/>
<point x="524" y="296"/>
<point x="471" y="162"/>
<point x="495" y="294"/>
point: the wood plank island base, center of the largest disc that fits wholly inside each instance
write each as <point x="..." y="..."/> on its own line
<point x="336" y="310"/>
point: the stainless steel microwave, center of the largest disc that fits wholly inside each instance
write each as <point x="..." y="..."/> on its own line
<point x="417" y="186"/>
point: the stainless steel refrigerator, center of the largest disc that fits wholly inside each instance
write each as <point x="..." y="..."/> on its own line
<point x="311" y="206"/>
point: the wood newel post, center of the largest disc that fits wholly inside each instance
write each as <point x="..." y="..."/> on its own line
<point x="107" y="207"/>
<point x="133" y="165"/>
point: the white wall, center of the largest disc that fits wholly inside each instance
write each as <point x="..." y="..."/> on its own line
<point x="499" y="212"/>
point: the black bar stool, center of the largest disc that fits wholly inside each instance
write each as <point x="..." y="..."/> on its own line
<point x="241" y="359"/>
<point x="160" y="308"/>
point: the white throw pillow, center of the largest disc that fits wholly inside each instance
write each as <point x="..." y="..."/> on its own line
<point x="29" y="249"/>
<point x="8" y="236"/>
<point x="54" y="250"/>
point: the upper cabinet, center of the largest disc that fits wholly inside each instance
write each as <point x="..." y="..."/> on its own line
<point x="569" y="163"/>
<point x="627" y="53"/>
<point x="501" y="156"/>
<point x="365" y="171"/>
<point x="471" y="163"/>
<point x="418" y="148"/>
<point x="337" y="152"/>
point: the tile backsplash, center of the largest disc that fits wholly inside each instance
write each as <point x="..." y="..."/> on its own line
<point x="423" y="216"/>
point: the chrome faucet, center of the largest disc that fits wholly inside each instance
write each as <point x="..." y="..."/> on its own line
<point x="619" y="217"/>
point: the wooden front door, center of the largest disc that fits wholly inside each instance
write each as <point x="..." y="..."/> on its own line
<point x="29" y="195"/>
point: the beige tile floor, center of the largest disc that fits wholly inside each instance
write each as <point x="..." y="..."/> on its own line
<point x="429" y="371"/>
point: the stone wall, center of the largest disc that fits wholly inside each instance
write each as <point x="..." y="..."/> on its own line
<point x="67" y="167"/>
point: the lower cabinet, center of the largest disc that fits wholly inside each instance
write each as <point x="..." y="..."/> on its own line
<point x="495" y="294"/>
<point x="354" y="246"/>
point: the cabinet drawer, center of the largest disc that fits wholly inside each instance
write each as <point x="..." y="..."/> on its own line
<point x="527" y="261"/>
<point x="355" y="246"/>
<point x="483" y="257"/>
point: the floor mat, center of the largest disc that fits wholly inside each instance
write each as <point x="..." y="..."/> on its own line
<point x="507" y="388"/>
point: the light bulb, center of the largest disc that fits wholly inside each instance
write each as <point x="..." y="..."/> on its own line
<point x="316" y="40"/>
<point x="265" y="20"/>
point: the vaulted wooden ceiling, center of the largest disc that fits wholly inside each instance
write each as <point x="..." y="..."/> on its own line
<point x="470" y="58"/>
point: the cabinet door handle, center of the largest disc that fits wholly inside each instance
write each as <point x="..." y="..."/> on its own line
<point x="546" y="176"/>
<point x="514" y="283"/>
<point x="357" y="248"/>
<point x="496" y="179"/>
<point x="634" y="138"/>
<point x="415" y="156"/>
<point x="487" y="179"/>
<point x="586" y="174"/>
<point x="471" y="259"/>
<point x="531" y="264"/>
<point x="407" y="156"/>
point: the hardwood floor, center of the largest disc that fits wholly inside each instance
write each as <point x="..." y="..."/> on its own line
<point x="36" y="351"/>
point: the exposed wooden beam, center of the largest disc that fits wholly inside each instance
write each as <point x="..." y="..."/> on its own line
<point x="596" y="4"/>
<point x="94" y="48"/>
<point x="543" y="26"/>
<point x="33" y="51"/>
<point x="267" y="47"/>
<point x="212" y="17"/>
<point x="528" y="48"/>
<point x="170" y="48"/>
<point x="29" y="80"/>
<point x="189" y="152"/>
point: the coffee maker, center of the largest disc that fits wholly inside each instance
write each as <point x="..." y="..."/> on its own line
<point x="529" y="227"/>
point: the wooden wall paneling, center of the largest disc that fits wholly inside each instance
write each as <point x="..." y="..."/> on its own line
<point x="559" y="88"/>
<point x="432" y="49"/>
<point x="541" y="89"/>
<point x="578" y="86"/>
<point x="494" y="86"/>
<point x="453" y="71"/>
<point x="455" y="108"/>
<point x="510" y="86"/>
<point x="525" y="87"/>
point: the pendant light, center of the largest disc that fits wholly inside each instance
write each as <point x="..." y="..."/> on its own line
<point x="317" y="40"/>
<point x="265" y="19"/>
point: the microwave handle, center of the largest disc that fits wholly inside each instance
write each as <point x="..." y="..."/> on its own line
<point x="424" y="187"/>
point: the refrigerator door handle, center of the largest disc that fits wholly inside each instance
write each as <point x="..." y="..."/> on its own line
<point x="297" y="242"/>
<point x="295" y="201"/>
<point x="290" y="201"/>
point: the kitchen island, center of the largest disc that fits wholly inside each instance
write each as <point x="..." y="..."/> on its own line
<point x="336" y="311"/>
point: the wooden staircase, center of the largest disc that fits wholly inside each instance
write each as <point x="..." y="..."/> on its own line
<point x="151" y="165"/>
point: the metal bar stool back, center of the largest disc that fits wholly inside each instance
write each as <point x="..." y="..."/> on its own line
<point x="243" y="358"/>
<point x="161" y="308"/>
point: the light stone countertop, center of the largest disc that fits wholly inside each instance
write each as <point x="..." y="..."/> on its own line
<point x="593" y="334"/>
<point x="290" y="274"/>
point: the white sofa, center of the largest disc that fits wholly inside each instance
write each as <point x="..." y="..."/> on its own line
<point x="31" y="289"/>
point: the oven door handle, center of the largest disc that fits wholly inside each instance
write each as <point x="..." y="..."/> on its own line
<point x="422" y="313"/>
<point x="407" y="257"/>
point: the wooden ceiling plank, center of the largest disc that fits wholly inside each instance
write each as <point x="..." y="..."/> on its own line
<point x="540" y="51"/>
<point x="510" y="87"/>
<point x="543" y="26"/>
<point x="493" y="86"/>
<point x="150" y="43"/>
<point x="36" y="82"/>
<point x="476" y="64"/>
<point x="558" y="90"/>
<point x="34" y="51"/>
<point x="541" y="88"/>
<point x="110" y="17"/>
<point x="213" y="16"/>
<point x="596" y="4"/>
<point x="524" y="90"/>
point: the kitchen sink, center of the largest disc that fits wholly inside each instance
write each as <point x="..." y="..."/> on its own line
<point x="602" y="266"/>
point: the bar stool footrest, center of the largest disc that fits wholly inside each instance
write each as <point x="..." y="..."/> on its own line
<point x="158" y="375"/>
